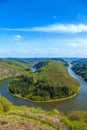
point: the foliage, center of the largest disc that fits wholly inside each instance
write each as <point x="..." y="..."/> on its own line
<point x="80" y="116"/>
<point x="76" y="120"/>
<point x="73" y="125"/>
<point x="5" y="105"/>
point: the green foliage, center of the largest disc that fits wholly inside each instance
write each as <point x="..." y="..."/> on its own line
<point x="54" y="112"/>
<point x="80" y="116"/>
<point x="5" y="105"/>
<point x="1" y="108"/>
<point x="76" y="120"/>
<point x="51" y="81"/>
<point x="73" y="125"/>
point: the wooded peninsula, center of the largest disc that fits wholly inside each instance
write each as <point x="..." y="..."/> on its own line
<point x="50" y="81"/>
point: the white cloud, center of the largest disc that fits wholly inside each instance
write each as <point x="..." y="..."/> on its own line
<point x="17" y="37"/>
<point x="54" y="28"/>
<point x="69" y="28"/>
<point x="73" y="44"/>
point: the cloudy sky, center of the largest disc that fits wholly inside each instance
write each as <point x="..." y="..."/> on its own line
<point x="43" y="28"/>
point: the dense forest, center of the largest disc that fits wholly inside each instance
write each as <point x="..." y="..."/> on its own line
<point x="51" y="81"/>
<point x="80" y="69"/>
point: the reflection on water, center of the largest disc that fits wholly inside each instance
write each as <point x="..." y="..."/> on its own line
<point x="77" y="103"/>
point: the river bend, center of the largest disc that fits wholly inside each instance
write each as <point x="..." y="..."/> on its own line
<point x="77" y="103"/>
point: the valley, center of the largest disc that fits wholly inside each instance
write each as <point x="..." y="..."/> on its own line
<point x="26" y="113"/>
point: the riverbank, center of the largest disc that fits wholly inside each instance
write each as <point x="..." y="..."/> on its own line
<point x="49" y="101"/>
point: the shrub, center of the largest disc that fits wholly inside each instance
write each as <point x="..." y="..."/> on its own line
<point x="1" y="108"/>
<point x="5" y="105"/>
<point x="73" y="125"/>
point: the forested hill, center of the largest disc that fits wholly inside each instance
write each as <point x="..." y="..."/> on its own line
<point x="80" y="69"/>
<point x="51" y="81"/>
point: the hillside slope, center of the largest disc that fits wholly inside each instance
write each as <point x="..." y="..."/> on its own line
<point x="11" y="68"/>
<point x="25" y="118"/>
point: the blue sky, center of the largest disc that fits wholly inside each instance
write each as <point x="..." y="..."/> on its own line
<point x="43" y="28"/>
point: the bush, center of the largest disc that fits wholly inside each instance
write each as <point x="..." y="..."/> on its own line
<point x="73" y="125"/>
<point x="1" y="108"/>
<point x="5" y="105"/>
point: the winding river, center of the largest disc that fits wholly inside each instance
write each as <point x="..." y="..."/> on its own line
<point x="77" y="103"/>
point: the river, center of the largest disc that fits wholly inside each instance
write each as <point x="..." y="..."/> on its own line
<point x="77" y="103"/>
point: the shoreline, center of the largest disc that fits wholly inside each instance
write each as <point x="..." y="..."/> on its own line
<point x="49" y="101"/>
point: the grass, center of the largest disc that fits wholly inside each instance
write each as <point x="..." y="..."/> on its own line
<point x="14" y="115"/>
<point x="25" y="118"/>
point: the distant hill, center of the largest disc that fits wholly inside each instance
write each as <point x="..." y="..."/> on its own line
<point x="51" y="81"/>
<point x="33" y="59"/>
<point x="80" y="68"/>
<point x="69" y="60"/>
<point x="79" y="60"/>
